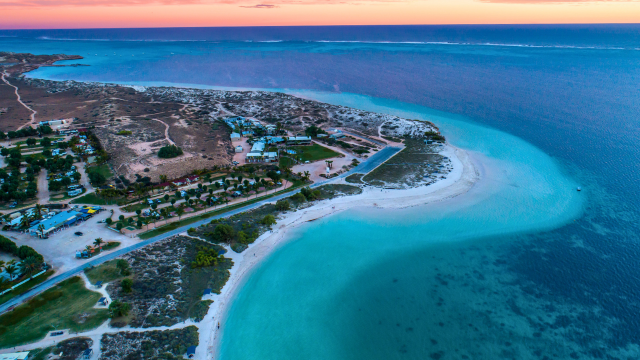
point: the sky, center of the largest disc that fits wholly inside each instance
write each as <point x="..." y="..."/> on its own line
<point x="70" y="14"/>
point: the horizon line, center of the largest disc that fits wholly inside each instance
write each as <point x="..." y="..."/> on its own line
<point x="341" y="25"/>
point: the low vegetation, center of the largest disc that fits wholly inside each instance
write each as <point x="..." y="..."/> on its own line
<point x="416" y="165"/>
<point x="149" y="345"/>
<point x="240" y="230"/>
<point x="163" y="283"/>
<point x="70" y="349"/>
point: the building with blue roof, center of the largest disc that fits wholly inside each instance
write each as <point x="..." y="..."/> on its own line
<point x="64" y="218"/>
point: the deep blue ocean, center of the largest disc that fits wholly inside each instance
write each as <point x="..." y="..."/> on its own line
<point x="524" y="269"/>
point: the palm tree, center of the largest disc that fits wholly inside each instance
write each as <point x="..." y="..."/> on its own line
<point x="163" y="178"/>
<point x="30" y="264"/>
<point x="165" y="214"/>
<point x="41" y="229"/>
<point x="39" y="209"/>
<point x="24" y="222"/>
<point x="306" y="175"/>
<point x="180" y="212"/>
<point x="4" y="284"/>
<point x="2" y="263"/>
<point x="10" y="269"/>
<point x="98" y="242"/>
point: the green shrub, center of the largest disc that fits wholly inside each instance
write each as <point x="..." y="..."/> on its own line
<point x="282" y="205"/>
<point x="169" y="151"/>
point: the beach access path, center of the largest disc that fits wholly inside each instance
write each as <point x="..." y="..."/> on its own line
<point x="371" y="163"/>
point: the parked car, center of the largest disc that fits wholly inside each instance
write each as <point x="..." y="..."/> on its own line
<point x="78" y="233"/>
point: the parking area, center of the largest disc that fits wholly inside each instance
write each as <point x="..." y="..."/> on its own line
<point x="59" y="249"/>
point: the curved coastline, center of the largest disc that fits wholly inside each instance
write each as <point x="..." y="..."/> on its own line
<point x="467" y="171"/>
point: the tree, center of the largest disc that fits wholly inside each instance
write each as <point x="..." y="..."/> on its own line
<point x="11" y="269"/>
<point x="127" y="285"/>
<point x="45" y="141"/>
<point x="269" y="220"/>
<point x="119" y="226"/>
<point x="39" y="208"/>
<point x="173" y="202"/>
<point x="282" y="205"/>
<point x="166" y="197"/>
<point x="31" y="141"/>
<point x="180" y="212"/>
<point x="224" y="233"/>
<point x="4" y="284"/>
<point x="138" y="212"/>
<point x="98" y="242"/>
<point x="139" y="223"/>
<point x="165" y="214"/>
<point x="121" y="217"/>
<point x="123" y="266"/>
<point x="41" y="230"/>
<point x="118" y="308"/>
<point x="96" y="178"/>
<point x="24" y="222"/>
<point x="163" y="178"/>
<point x="169" y="151"/>
<point x="109" y="221"/>
<point x="30" y="264"/>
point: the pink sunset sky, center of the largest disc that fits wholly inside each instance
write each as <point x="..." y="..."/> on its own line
<point x="50" y="14"/>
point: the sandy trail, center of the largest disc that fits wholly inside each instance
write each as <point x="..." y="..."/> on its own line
<point x="33" y="112"/>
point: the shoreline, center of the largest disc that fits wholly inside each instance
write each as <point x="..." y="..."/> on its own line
<point x="465" y="174"/>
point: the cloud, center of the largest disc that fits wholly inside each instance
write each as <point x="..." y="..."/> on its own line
<point x="259" y="6"/>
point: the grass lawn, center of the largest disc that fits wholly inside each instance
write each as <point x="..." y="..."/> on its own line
<point x="141" y="206"/>
<point x="106" y="272"/>
<point x="102" y="169"/>
<point x="25" y="287"/>
<point x="110" y="245"/>
<point x="68" y="305"/>
<point x="64" y="196"/>
<point x="314" y="152"/>
<point x="40" y="354"/>
<point x="286" y="162"/>
<point x="93" y="199"/>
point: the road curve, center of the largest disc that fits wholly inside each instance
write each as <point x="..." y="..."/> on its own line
<point x="371" y="163"/>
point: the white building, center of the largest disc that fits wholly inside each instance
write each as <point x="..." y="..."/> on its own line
<point x="238" y="149"/>
<point x="15" y="356"/>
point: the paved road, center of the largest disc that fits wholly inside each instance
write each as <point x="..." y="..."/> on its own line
<point x="371" y="163"/>
<point x="364" y="137"/>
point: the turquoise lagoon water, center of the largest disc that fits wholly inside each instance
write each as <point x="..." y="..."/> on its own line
<point x="417" y="282"/>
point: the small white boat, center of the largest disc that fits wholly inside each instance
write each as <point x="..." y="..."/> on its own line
<point x="579" y="188"/>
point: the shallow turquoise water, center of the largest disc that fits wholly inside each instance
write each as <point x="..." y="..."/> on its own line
<point x="380" y="284"/>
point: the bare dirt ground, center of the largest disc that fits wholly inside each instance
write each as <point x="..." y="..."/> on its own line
<point x="113" y="109"/>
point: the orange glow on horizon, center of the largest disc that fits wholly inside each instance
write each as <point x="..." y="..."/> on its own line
<point x="373" y="13"/>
